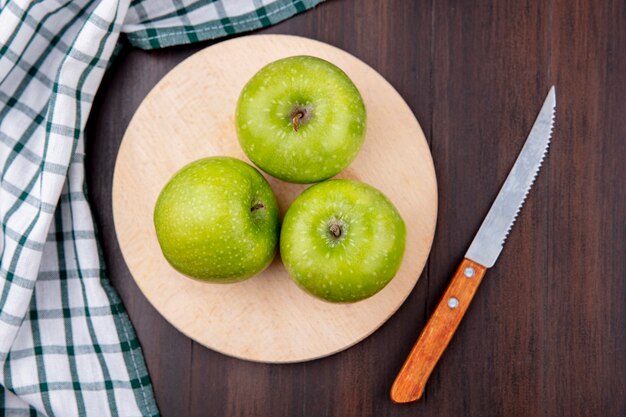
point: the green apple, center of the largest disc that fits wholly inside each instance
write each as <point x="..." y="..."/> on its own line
<point x="301" y="119"/>
<point x="217" y="220"/>
<point x="342" y="240"/>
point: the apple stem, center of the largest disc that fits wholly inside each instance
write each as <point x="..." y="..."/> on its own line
<point x="296" y="120"/>
<point x="335" y="229"/>
<point x="257" y="206"/>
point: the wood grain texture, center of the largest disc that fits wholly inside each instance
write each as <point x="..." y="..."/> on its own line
<point x="546" y="333"/>
<point x="190" y="115"/>
<point x="438" y="332"/>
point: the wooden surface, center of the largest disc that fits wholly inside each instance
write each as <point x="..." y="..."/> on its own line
<point x="190" y="115"/>
<point x="438" y="332"/>
<point x="546" y="333"/>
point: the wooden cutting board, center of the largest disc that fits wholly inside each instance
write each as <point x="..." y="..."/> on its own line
<point x="189" y="115"/>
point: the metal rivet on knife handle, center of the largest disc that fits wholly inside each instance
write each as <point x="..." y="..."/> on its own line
<point x="453" y="302"/>
<point x="469" y="272"/>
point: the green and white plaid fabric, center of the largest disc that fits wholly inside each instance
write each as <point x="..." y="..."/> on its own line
<point x="67" y="347"/>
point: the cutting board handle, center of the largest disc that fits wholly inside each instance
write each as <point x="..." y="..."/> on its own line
<point x="410" y="382"/>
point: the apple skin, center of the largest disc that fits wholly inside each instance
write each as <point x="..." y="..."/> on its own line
<point x="330" y="133"/>
<point x="358" y="263"/>
<point x="210" y="224"/>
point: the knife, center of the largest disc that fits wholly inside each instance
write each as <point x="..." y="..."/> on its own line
<point x="482" y="254"/>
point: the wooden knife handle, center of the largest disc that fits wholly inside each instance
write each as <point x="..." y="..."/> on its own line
<point x="410" y="382"/>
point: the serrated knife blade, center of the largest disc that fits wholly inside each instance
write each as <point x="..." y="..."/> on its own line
<point x="482" y="254"/>
<point x="489" y="241"/>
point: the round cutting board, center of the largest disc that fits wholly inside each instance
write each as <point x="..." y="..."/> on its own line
<point x="190" y="115"/>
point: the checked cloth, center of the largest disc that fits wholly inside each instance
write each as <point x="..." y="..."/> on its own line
<point x="67" y="347"/>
